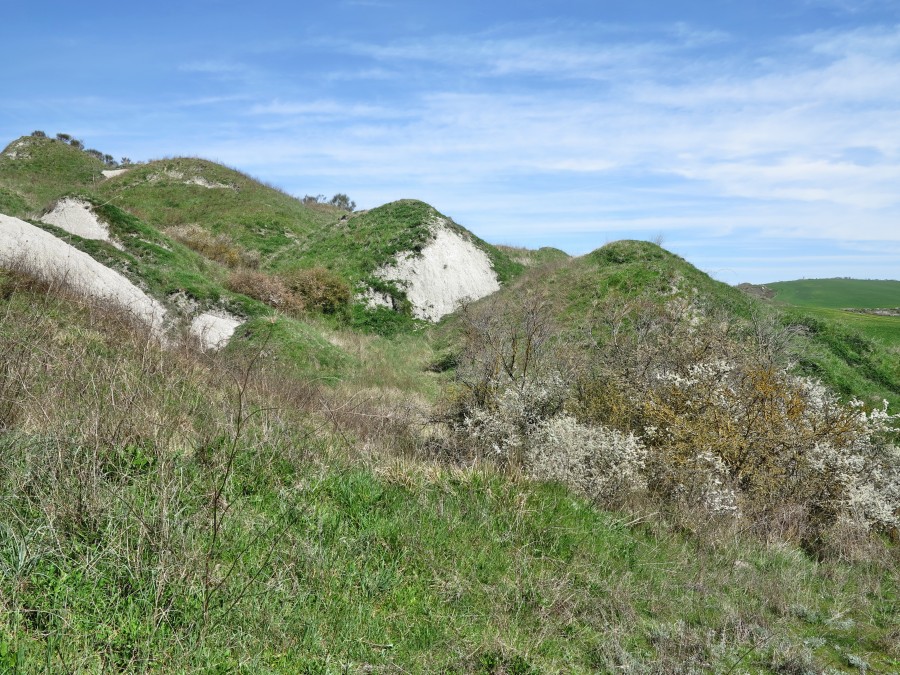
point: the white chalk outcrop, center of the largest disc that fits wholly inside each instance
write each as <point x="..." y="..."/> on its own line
<point x="449" y="270"/>
<point x="214" y="329"/>
<point x="112" y="173"/>
<point x="197" y="180"/>
<point x="53" y="260"/>
<point x="17" y="150"/>
<point x="77" y="217"/>
<point x="209" y="185"/>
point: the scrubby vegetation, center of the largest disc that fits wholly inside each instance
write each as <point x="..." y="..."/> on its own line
<point x="319" y="289"/>
<point x="220" y="248"/>
<point x="693" y="407"/>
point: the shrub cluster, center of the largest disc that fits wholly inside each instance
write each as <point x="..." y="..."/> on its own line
<point x="315" y="289"/>
<point x="264" y="287"/>
<point x="319" y="289"/>
<point x="338" y="201"/>
<point x="697" y="409"/>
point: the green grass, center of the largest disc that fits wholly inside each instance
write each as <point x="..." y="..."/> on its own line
<point x="838" y="293"/>
<point x="883" y="328"/>
<point x="836" y="349"/>
<point x="12" y="203"/>
<point x="546" y="255"/>
<point x="359" y="244"/>
<point x="855" y="353"/>
<point x="285" y="232"/>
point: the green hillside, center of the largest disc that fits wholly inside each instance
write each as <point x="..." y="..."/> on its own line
<point x="256" y="216"/>
<point x="362" y="242"/>
<point x="856" y="352"/>
<point x="235" y="223"/>
<point x="885" y="329"/>
<point x="576" y="291"/>
<point x="613" y="464"/>
<point x="545" y="255"/>
<point x="838" y="293"/>
<point x="324" y="557"/>
<point x="627" y="269"/>
<point x="41" y="171"/>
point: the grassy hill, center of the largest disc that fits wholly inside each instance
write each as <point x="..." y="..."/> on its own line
<point x="362" y="242"/>
<point x="34" y="172"/>
<point x="233" y="221"/>
<point x="626" y="269"/>
<point x="256" y="216"/>
<point x="604" y="467"/>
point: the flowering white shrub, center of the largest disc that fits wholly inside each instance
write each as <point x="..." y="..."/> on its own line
<point x="601" y="463"/>
<point x="701" y="411"/>
<point x="517" y="412"/>
<point x="705" y="481"/>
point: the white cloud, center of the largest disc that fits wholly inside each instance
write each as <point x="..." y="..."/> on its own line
<point x="678" y="133"/>
<point x="324" y="107"/>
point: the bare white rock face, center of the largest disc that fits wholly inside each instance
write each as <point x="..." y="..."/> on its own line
<point x="17" y="150"/>
<point x="209" y="185"/>
<point x="77" y="217"/>
<point x="449" y="270"/>
<point x="214" y="329"/>
<point x="112" y="173"/>
<point x="25" y="246"/>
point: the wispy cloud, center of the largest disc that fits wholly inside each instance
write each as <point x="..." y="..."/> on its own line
<point x="330" y="108"/>
<point x="680" y="129"/>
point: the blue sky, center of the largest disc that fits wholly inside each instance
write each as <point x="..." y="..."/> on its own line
<point x="759" y="140"/>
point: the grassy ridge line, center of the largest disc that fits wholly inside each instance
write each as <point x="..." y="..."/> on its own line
<point x="534" y="257"/>
<point x="838" y="293"/>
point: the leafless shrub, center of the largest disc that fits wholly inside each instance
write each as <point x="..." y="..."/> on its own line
<point x="319" y="289"/>
<point x="267" y="288"/>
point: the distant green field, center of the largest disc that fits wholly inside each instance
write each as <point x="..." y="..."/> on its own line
<point x="838" y="293"/>
<point x="886" y="328"/>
